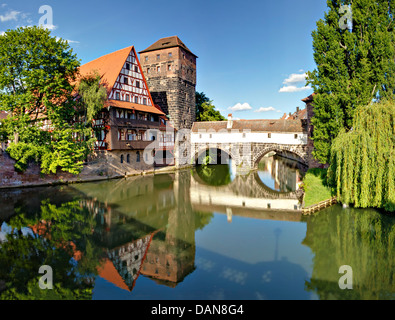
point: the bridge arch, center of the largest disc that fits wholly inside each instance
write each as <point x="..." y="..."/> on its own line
<point x="219" y="154"/>
<point x="288" y="151"/>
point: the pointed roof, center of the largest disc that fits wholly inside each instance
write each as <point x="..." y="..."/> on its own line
<point x="109" y="66"/>
<point x="169" y="42"/>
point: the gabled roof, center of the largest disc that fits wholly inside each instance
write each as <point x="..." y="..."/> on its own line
<point x="169" y="42"/>
<point x="109" y="66"/>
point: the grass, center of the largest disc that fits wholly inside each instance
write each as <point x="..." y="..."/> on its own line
<point x="315" y="187"/>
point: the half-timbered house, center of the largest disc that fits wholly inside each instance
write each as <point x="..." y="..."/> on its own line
<point x="130" y="121"/>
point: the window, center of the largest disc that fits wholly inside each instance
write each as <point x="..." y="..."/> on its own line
<point x="121" y="135"/>
<point x="125" y="80"/>
<point x="136" y="100"/>
<point x="269" y="205"/>
<point x="128" y="158"/>
<point x="136" y="69"/>
<point x="158" y="69"/>
<point x="117" y="96"/>
<point x="138" y="156"/>
<point x="121" y="158"/>
<point x="169" y="67"/>
<point x="145" y="101"/>
<point x="269" y="135"/>
<point x="295" y="136"/>
<point x="127" y="98"/>
<point x="170" y="54"/>
<point x="146" y="58"/>
<point x="137" y="84"/>
<point x="127" y="66"/>
<point x="148" y="70"/>
<point x="158" y="57"/>
<point x="244" y="135"/>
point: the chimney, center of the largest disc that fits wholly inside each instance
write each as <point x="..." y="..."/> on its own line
<point x="230" y="122"/>
<point x="297" y="109"/>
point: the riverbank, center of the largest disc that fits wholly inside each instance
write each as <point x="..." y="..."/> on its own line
<point x="317" y="194"/>
<point x="92" y="172"/>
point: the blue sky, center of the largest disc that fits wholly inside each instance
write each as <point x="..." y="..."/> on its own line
<point x="252" y="53"/>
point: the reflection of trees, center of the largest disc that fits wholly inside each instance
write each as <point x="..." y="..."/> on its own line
<point x="362" y="239"/>
<point x="57" y="234"/>
<point x="214" y="175"/>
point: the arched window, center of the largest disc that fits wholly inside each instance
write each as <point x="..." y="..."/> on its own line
<point x="121" y="158"/>
<point x="138" y="156"/>
<point x="128" y="158"/>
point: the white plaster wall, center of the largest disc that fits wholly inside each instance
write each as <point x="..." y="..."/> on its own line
<point x="249" y="137"/>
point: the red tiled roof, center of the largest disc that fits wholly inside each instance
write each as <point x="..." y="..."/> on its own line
<point x="310" y="98"/>
<point x="252" y="125"/>
<point x="3" y="115"/>
<point x="169" y="42"/>
<point x="108" y="66"/>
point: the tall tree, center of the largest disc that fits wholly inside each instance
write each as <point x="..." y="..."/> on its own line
<point x="38" y="86"/>
<point x="205" y="110"/>
<point x="355" y="65"/>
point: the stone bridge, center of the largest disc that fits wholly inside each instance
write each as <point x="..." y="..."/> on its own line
<point x="246" y="142"/>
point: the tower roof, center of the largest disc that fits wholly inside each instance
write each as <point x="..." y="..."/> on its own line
<point x="169" y="42"/>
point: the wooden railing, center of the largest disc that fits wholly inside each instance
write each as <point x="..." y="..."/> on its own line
<point x="319" y="206"/>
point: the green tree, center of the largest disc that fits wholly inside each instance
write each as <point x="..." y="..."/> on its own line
<point x="354" y="66"/>
<point x="38" y="86"/>
<point x="205" y="110"/>
<point x="362" y="169"/>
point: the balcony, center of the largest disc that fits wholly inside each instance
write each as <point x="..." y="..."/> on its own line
<point x="136" y="123"/>
<point x="132" y="145"/>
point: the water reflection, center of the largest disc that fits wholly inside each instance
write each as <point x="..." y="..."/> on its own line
<point x="281" y="174"/>
<point x="363" y="239"/>
<point x="140" y="238"/>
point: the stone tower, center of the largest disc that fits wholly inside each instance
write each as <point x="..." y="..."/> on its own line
<point x="170" y="70"/>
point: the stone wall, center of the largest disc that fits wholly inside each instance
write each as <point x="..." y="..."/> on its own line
<point x="172" y="83"/>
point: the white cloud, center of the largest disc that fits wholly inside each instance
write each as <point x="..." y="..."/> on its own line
<point x="295" y="78"/>
<point x="50" y="27"/>
<point x="293" y="89"/>
<point x="2" y="33"/>
<point x="11" y="15"/>
<point x="240" y="107"/>
<point x="265" y="109"/>
<point x="292" y="82"/>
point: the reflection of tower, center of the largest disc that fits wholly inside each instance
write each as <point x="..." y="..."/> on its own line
<point x="171" y="256"/>
<point x="277" y="233"/>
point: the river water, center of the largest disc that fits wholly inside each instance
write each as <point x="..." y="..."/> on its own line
<point x="204" y="233"/>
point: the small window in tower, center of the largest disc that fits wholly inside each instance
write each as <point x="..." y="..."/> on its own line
<point x="170" y="54"/>
<point x="146" y="58"/>
<point x="127" y="66"/>
<point x="148" y="70"/>
<point x="158" y="69"/>
<point x="158" y="57"/>
<point x="169" y="67"/>
<point x="125" y="80"/>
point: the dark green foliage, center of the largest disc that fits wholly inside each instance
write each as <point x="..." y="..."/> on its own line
<point x="363" y="160"/>
<point x="205" y="110"/>
<point x="47" y="124"/>
<point x="353" y="67"/>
